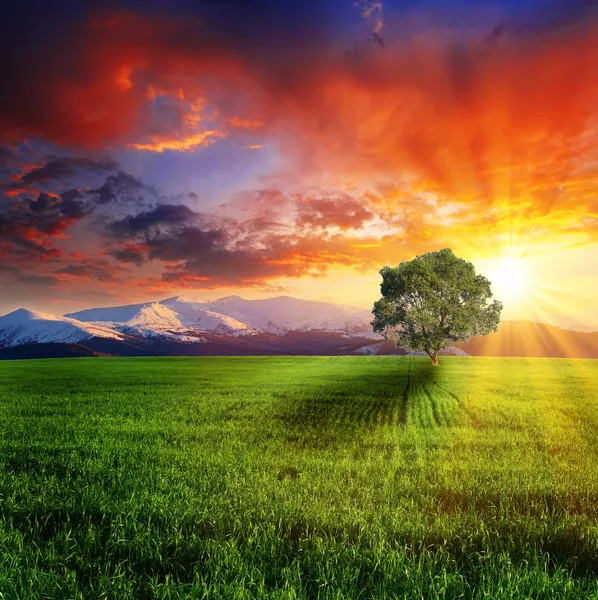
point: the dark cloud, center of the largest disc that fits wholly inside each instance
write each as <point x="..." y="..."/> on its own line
<point x="194" y="250"/>
<point x="90" y="268"/>
<point x="29" y="226"/>
<point x="122" y="188"/>
<point x="130" y="254"/>
<point x="43" y="204"/>
<point x="181" y="244"/>
<point x="249" y="264"/>
<point x="41" y="280"/>
<point x="6" y="157"/>
<point x="52" y="214"/>
<point x="62" y="170"/>
<point x="73" y="205"/>
<point x="163" y="215"/>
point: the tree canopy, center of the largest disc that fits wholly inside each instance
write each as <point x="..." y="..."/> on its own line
<point x="433" y="301"/>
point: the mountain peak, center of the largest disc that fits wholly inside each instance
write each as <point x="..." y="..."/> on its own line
<point x="24" y="326"/>
<point x="23" y="315"/>
<point x="229" y="300"/>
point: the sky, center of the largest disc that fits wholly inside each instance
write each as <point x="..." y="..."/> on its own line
<point x="265" y="148"/>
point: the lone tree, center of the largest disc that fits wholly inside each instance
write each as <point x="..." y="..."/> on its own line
<point x="433" y="301"/>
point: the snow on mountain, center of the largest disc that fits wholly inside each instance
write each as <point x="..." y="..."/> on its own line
<point x="231" y="316"/>
<point x="31" y="327"/>
<point x="155" y="315"/>
<point x="282" y="314"/>
<point x="151" y="321"/>
<point x="117" y="314"/>
<point x="370" y="349"/>
<point x="178" y="317"/>
<point x="202" y="316"/>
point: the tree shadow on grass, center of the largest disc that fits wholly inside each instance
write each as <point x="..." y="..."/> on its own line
<point x="393" y="393"/>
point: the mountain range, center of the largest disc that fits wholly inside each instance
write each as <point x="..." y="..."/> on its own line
<point x="233" y="325"/>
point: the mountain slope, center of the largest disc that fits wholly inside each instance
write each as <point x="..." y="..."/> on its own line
<point x="31" y="327"/>
<point x="202" y="316"/>
<point x="234" y="316"/>
<point x="175" y="317"/>
<point x="282" y="314"/>
<point x="116" y="314"/>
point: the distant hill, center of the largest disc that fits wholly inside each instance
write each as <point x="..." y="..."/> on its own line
<point x="526" y="338"/>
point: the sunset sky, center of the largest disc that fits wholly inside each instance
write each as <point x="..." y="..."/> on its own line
<point x="270" y="147"/>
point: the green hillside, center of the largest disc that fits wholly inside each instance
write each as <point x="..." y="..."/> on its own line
<point x="340" y="477"/>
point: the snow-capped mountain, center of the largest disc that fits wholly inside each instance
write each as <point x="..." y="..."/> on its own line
<point x="233" y="316"/>
<point x="282" y="314"/>
<point x="153" y="320"/>
<point x="184" y="325"/>
<point x="27" y="327"/>
<point x="173" y="317"/>
<point x="202" y="316"/>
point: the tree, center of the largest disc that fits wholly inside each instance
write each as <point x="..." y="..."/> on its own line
<point x="433" y="301"/>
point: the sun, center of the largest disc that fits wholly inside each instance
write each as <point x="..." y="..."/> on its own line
<point x="510" y="277"/>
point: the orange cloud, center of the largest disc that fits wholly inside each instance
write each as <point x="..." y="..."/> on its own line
<point x="240" y="123"/>
<point x="508" y="134"/>
<point x="179" y="144"/>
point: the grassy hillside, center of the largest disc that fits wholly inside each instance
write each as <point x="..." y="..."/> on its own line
<point x="264" y="477"/>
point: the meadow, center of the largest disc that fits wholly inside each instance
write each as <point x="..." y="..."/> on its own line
<point x="299" y="477"/>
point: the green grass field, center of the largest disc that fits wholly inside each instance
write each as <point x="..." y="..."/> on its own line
<point x="342" y="477"/>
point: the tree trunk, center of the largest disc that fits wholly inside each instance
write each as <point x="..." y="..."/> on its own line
<point x="435" y="359"/>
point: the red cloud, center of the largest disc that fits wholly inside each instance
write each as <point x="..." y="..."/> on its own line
<point x="508" y="133"/>
<point x="98" y="80"/>
<point x="344" y="211"/>
<point x="441" y="113"/>
<point x="440" y="116"/>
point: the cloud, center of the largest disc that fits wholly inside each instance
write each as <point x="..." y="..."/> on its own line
<point x="32" y="224"/>
<point x="90" y="268"/>
<point x="178" y="143"/>
<point x="344" y="211"/>
<point x="207" y="258"/>
<point x="105" y="73"/>
<point x="218" y="250"/>
<point x="30" y="278"/>
<point x="130" y="253"/>
<point x="40" y="280"/>
<point x="122" y="188"/>
<point x="454" y="133"/>
<point x="62" y="170"/>
<point x="7" y="157"/>
<point x="162" y="215"/>
<point x="478" y="111"/>
<point x="371" y="10"/>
